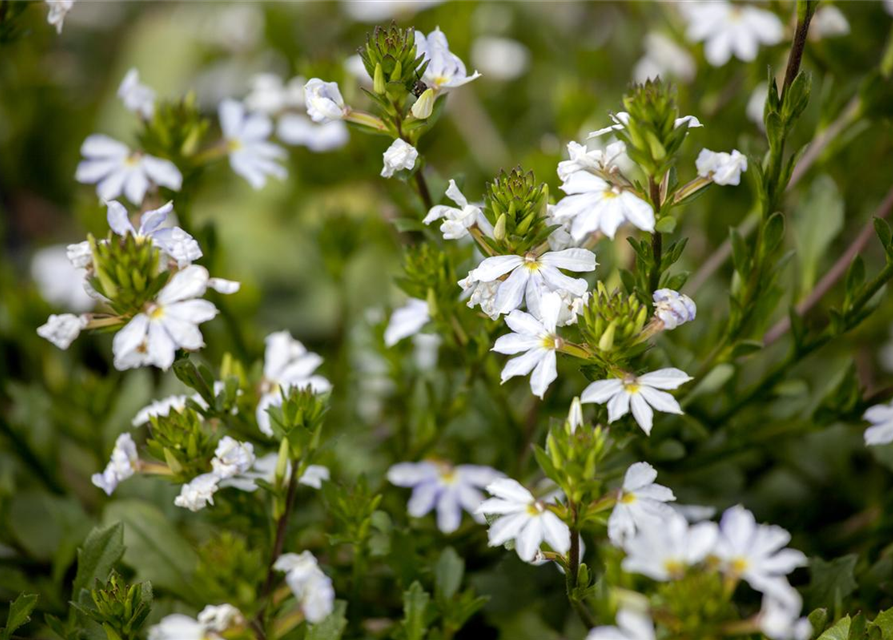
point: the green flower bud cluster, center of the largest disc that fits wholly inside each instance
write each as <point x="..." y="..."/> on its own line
<point x="181" y="441"/>
<point x="120" y="609"/>
<point x="175" y="131"/>
<point x="126" y="271"/>
<point x="516" y="207"/>
<point x="299" y="418"/>
<point x="612" y="322"/>
<point x="652" y="137"/>
<point x="389" y="56"/>
<point x="429" y="275"/>
<point x="571" y="459"/>
<point x="230" y="570"/>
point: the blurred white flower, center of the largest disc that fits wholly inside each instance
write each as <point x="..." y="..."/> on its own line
<point x="314" y="475"/>
<point x="721" y="167"/>
<point x="287" y="364"/>
<point x="757" y="103"/>
<point x="114" y="170"/>
<point x="537" y="340"/>
<point x="383" y="10"/>
<point x="755" y="552"/>
<point x="219" y="618"/>
<point x="400" y="155"/>
<point x="779" y="617"/>
<point x="58" y="10"/>
<point x="828" y="22"/>
<point x="323" y="100"/>
<point x="270" y="94"/>
<point x="729" y="29"/>
<point x="640" y="503"/>
<point x="631" y="625"/>
<point x="621" y="118"/>
<point x="445" y="69"/>
<point x="664" y="58"/>
<point x="311" y="587"/>
<point x="122" y="465"/>
<point x="170" y="322"/>
<point x="593" y="204"/>
<point x="639" y="393"/>
<point x="232" y="458"/>
<point x="251" y="154"/>
<point x="881" y="430"/>
<point x="500" y="58"/>
<point x="524" y="519"/>
<point x="173" y="241"/>
<point x="458" y="220"/>
<point x="531" y="277"/>
<point x="575" y="415"/>
<point x="163" y="408"/>
<point x="298" y="130"/>
<point x="198" y="493"/>
<point x="62" y="329"/>
<point x="406" y="321"/>
<point x="264" y="468"/>
<point x="664" y="549"/>
<point x="136" y="96"/>
<point x="59" y="281"/>
<point x="673" y="308"/>
<point x="442" y="487"/>
<point x="212" y="621"/>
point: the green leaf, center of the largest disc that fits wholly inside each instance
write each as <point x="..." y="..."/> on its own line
<point x="155" y="550"/>
<point x="831" y="582"/>
<point x="101" y="550"/>
<point x="840" y="630"/>
<point x="773" y="233"/>
<point x="817" y="221"/>
<point x="667" y="224"/>
<point x="19" y="613"/>
<point x="332" y="627"/>
<point x="884" y="622"/>
<point x="448" y="574"/>
<point x="415" y="602"/>
<point x="739" y="251"/>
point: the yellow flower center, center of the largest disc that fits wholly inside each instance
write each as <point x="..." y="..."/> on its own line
<point x="628" y="498"/>
<point x="530" y="262"/>
<point x="535" y="508"/>
<point x="674" y="567"/>
<point x="156" y="312"/>
<point x="739" y="565"/>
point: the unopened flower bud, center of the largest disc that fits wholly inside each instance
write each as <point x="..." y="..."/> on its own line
<point x="424" y="106"/>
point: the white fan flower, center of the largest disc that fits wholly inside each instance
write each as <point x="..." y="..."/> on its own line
<point x="621" y="119"/>
<point x="406" y="321"/>
<point x="232" y="458"/>
<point x="445" y="69"/>
<point x="729" y="29"/>
<point x="173" y="241"/>
<point x="63" y="329"/>
<point x="311" y="587"/>
<point x="673" y="308"/>
<point x="663" y="57"/>
<point x="122" y="465"/>
<point x="581" y="158"/>
<point x="524" y="519"/>
<point x="136" y="96"/>
<point x="458" y="220"/>
<point x="631" y="625"/>
<point x="593" y="204"/>
<point x="400" y="155"/>
<point x="115" y="170"/>
<point x="59" y="281"/>
<point x="199" y="492"/>
<point x="323" y="101"/>
<point x="881" y="430"/>
<point x="251" y="154"/>
<point x="664" y="549"/>
<point x="639" y="393"/>
<point x="640" y="503"/>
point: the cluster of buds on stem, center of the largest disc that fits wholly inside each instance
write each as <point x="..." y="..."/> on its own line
<point x="612" y="324"/>
<point x="516" y="207"/>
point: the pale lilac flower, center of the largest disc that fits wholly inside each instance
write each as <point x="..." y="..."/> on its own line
<point x="445" y="69"/>
<point x="828" y="22"/>
<point x="324" y="101"/>
<point x="60" y="282"/>
<point x="58" y="10"/>
<point x="400" y="155"/>
<point x="170" y="322"/>
<point x="173" y="241"/>
<point x="406" y="321"/>
<point x="458" y="220"/>
<point x="723" y="168"/>
<point x="531" y="277"/>
<point x="62" y="329"/>
<point x="446" y="489"/>
<point x="881" y="430"/>
<point x="631" y="625"/>
<point x="663" y="550"/>
<point x="538" y="340"/>
<point x="122" y="465"/>
<point x="639" y="393"/>
<point x="524" y="519"/>
<point x="756" y="552"/>
<point x="729" y="29"/>
<point x="311" y="587"/>
<point x="673" y="308"/>
<point x="251" y="154"/>
<point x="779" y="617"/>
<point x="198" y="493"/>
<point x="594" y="204"/>
<point x="641" y="503"/>
<point x="115" y="170"/>
<point x="287" y="364"/>
<point x="664" y="58"/>
<point x="500" y="58"/>
<point x="136" y="96"/>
